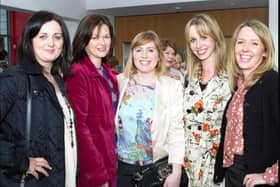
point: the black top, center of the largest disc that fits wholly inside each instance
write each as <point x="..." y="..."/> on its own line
<point x="260" y="127"/>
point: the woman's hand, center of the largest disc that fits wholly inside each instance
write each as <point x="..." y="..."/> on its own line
<point x="173" y="180"/>
<point x="250" y="180"/>
<point x="105" y="185"/>
<point x="38" y="165"/>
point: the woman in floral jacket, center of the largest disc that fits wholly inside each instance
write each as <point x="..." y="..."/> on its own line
<point x="205" y="98"/>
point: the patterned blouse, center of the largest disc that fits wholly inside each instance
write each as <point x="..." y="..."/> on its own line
<point x="203" y="119"/>
<point x="234" y="142"/>
<point x="134" y="122"/>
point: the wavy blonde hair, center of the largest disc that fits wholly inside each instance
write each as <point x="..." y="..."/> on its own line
<point x="267" y="63"/>
<point x="143" y="38"/>
<point x="205" y="25"/>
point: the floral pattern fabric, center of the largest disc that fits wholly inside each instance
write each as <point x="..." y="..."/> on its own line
<point x="134" y="123"/>
<point x="203" y="112"/>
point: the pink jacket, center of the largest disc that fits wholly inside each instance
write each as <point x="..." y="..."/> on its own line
<point x="91" y="98"/>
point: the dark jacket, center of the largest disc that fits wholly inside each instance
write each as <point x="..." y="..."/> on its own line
<point x="47" y="126"/>
<point x="260" y="127"/>
<point x="91" y="98"/>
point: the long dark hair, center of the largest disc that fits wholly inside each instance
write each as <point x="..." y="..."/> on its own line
<point x="32" y="28"/>
<point x="84" y="34"/>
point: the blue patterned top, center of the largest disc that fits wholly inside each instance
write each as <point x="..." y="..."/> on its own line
<point x="134" y="123"/>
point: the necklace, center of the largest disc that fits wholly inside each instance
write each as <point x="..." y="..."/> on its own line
<point x="151" y="85"/>
<point x="203" y="82"/>
<point x="69" y="120"/>
<point x="200" y="77"/>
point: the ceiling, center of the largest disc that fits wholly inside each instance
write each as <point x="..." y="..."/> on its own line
<point x="178" y="7"/>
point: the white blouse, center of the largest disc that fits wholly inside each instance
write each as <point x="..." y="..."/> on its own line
<point x="69" y="141"/>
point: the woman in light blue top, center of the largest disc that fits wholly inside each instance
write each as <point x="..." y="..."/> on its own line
<point x="149" y="116"/>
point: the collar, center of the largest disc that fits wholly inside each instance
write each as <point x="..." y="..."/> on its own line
<point x="92" y="67"/>
<point x="30" y="67"/>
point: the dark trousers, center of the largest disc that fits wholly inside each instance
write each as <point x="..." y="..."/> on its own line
<point x="125" y="173"/>
<point x="235" y="174"/>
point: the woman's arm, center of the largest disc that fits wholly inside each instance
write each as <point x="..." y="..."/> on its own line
<point x="176" y="144"/>
<point x="173" y="180"/>
<point x="9" y="90"/>
<point x="270" y="176"/>
<point x="175" y="136"/>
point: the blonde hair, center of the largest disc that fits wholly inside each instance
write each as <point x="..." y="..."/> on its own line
<point x="262" y="31"/>
<point x="141" y="39"/>
<point x="205" y="25"/>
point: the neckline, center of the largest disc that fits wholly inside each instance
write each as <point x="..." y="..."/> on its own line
<point x="203" y="86"/>
<point x="150" y="86"/>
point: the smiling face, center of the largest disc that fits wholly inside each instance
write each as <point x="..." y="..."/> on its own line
<point x="100" y="42"/>
<point x="48" y="43"/>
<point x="203" y="46"/>
<point x="145" y="58"/>
<point x="249" y="50"/>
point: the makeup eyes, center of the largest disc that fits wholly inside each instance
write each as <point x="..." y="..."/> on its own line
<point x="150" y="50"/>
<point x="99" y="37"/>
<point x="253" y="43"/>
<point x="204" y="37"/>
<point x="45" y="36"/>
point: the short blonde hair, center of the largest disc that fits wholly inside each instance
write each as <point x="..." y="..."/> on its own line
<point x="262" y="31"/>
<point x="205" y="25"/>
<point x="141" y="39"/>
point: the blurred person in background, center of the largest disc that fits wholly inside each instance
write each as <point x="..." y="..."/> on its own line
<point x="169" y="51"/>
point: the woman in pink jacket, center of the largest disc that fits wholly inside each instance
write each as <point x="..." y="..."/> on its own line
<point x="93" y="92"/>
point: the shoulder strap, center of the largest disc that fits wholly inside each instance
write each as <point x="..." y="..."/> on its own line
<point x="28" y="113"/>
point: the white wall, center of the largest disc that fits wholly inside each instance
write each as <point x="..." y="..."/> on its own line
<point x="72" y="27"/>
<point x="73" y="9"/>
<point x="103" y="4"/>
<point x="273" y="26"/>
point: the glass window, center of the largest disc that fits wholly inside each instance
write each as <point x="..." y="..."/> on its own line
<point x="4" y="37"/>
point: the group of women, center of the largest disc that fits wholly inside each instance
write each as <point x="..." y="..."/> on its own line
<point x="90" y="127"/>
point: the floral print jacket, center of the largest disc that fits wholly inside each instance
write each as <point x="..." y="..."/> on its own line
<point x="203" y="112"/>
